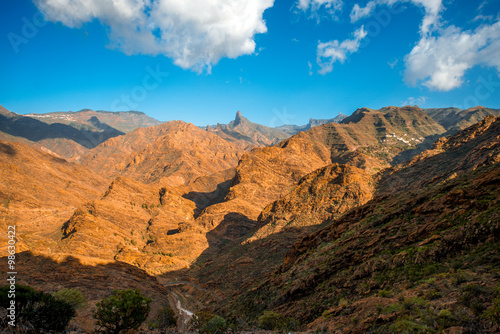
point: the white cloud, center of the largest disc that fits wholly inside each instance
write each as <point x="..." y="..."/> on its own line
<point x="358" y="12"/>
<point x="441" y="57"/>
<point x="314" y="7"/>
<point x="440" y="62"/>
<point x="330" y="52"/>
<point x="196" y="34"/>
<point x="432" y="10"/>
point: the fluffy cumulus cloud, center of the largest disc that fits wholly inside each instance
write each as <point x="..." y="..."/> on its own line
<point x="334" y="51"/>
<point x="315" y="8"/>
<point x="196" y="34"/>
<point x="443" y="53"/>
<point x="440" y="62"/>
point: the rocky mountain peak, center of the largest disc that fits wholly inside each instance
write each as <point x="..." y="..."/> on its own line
<point x="239" y="119"/>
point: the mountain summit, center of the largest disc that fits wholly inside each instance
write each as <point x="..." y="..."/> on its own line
<point x="247" y="134"/>
<point x="239" y="119"/>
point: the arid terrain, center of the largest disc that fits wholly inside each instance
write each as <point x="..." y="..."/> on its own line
<point x="383" y="221"/>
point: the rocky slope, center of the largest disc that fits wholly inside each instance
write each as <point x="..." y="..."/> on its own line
<point x="38" y="193"/>
<point x="175" y="150"/>
<point x="33" y="179"/>
<point x="418" y="257"/>
<point x="166" y="175"/>
<point x="320" y="196"/>
<point x="369" y="139"/>
<point x="146" y="226"/>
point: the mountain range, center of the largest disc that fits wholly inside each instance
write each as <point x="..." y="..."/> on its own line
<point x="386" y="216"/>
<point x="70" y="134"/>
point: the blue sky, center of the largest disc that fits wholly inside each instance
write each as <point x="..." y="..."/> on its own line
<point x="276" y="61"/>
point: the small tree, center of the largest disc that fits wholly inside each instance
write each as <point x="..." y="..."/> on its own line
<point x="205" y="322"/>
<point x="165" y="318"/>
<point x="36" y="310"/>
<point x="122" y="311"/>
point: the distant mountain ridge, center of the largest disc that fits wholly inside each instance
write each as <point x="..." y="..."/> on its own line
<point x="123" y="121"/>
<point x="70" y="134"/>
<point x="294" y="129"/>
<point x="454" y="119"/>
<point x="243" y="129"/>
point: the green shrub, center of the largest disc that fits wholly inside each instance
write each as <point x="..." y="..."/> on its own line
<point x="71" y="296"/>
<point x="343" y="302"/>
<point x="460" y="277"/>
<point x="406" y="326"/>
<point x="165" y="318"/>
<point x="216" y="325"/>
<point x="445" y="314"/>
<point x="205" y="322"/>
<point x="393" y="308"/>
<point x="447" y="319"/>
<point x="122" y="311"/>
<point x="38" y="310"/>
<point x="493" y="313"/>
<point x="384" y="293"/>
<point x="271" y="320"/>
<point x="472" y="296"/>
<point x="432" y="294"/>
